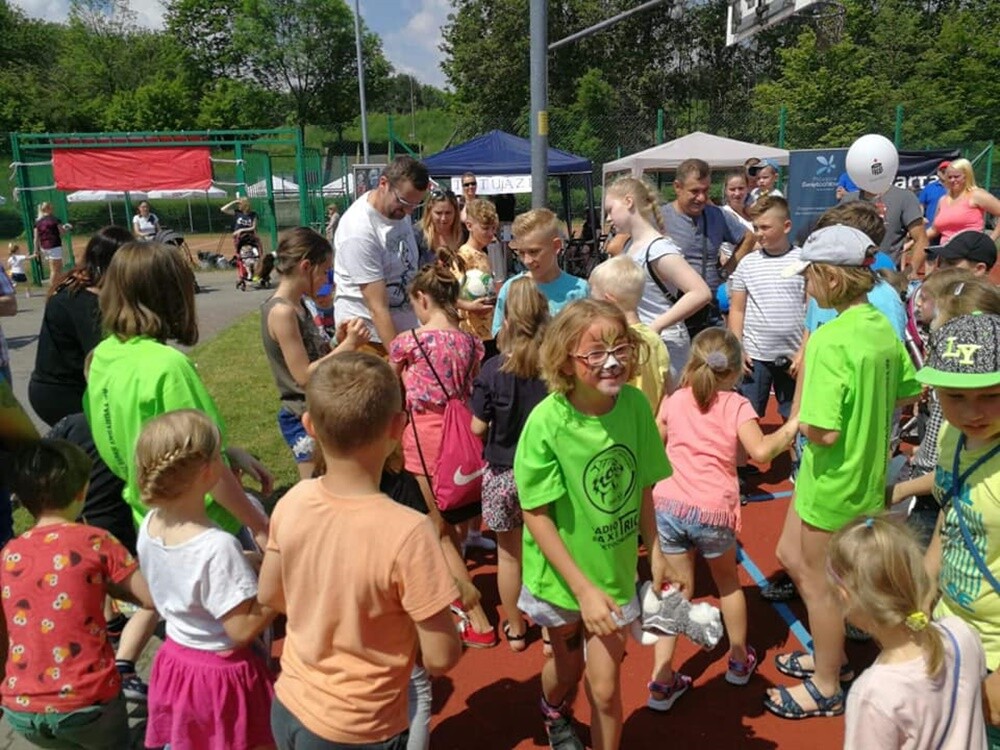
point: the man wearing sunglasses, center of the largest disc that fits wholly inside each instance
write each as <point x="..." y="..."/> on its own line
<point x="377" y="253"/>
<point x="470" y="185"/>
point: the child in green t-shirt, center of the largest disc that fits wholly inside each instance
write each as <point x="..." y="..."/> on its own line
<point x="585" y="500"/>
<point x="856" y="373"/>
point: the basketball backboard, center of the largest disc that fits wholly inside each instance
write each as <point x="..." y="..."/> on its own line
<point x="747" y="17"/>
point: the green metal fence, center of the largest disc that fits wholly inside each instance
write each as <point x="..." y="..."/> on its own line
<point x="242" y="163"/>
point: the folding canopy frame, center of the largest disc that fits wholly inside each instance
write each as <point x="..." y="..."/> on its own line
<point x="35" y="156"/>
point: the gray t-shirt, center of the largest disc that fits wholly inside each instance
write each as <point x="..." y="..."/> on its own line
<point x="901" y="209"/>
<point x="700" y="239"/>
<point x="776" y="306"/>
<point x="370" y="248"/>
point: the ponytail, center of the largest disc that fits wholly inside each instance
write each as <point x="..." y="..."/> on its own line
<point x="716" y="357"/>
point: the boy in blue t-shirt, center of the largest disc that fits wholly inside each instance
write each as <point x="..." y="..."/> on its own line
<point x="537" y="244"/>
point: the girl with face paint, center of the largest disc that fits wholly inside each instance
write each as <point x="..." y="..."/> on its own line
<point x="585" y="466"/>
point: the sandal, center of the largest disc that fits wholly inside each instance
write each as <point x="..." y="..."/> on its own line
<point x="781" y="589"/>
<point x="790" y="664"/>
<point x="789" y="708"/>
<point x="517" y="643"/>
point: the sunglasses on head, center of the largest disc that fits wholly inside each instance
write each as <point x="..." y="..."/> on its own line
<point x="438" y="194"/>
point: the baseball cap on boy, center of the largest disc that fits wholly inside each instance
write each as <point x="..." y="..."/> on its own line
<point x="836" y="245"/>
<point x="761" y="164"/>
<point x="971" y="245"/>
<point x="964" y="353"/>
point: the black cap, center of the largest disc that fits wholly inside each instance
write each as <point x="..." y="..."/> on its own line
<point x="970" y="245"/>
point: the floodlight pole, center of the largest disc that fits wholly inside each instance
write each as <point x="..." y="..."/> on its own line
<point x="539" y="68"/>
<point x="539" y="15"/>
<point x="361" y="80"/>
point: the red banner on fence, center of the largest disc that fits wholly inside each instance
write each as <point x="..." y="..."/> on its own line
<point x="143" y="168"/>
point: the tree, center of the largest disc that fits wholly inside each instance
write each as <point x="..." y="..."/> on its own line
<point x="306" y="49"/>
<point x="229" y="104"/>
<point x="206" y="30"/>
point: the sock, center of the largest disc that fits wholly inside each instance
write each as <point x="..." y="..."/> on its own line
<point x="116" y="623"/>
<point x="125" y="666"/>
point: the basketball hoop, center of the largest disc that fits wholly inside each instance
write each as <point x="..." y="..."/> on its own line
<point x="827" y="18"/>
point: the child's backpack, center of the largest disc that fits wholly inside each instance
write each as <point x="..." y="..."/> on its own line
<point x="457" y="477"/>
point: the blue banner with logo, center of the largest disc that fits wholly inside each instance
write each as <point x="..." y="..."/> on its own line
<point x="811" y="186"/>
<point x="813" y="176"/>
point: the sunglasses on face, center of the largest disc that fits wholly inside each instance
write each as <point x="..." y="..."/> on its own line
<point x="468" y="184"/>
<point x="402" y="201"/>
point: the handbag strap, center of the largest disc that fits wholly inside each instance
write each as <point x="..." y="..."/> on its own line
<point x="468" y="373"/>
<point x="956" y="669"/>
<point x="671" y="297"/>
<point x="954" y="496"/>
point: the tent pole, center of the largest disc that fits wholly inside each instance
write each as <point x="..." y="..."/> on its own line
<point x="595" y="228"/>
<point x="564" y="185"/>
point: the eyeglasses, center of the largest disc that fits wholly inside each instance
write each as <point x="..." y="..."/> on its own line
<point x="438" y="194"/>
<point x="597" y="357"/>
<point x="468" y="184"/>
<point x="402" y="201"/>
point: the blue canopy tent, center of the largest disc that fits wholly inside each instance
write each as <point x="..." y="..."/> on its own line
<point x="498" y="152"/>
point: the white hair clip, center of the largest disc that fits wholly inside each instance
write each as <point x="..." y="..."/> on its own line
<point x="958" y="288"/>
<point x="717" y="361"/>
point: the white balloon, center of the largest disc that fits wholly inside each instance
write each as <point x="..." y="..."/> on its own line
<point x="872" y="162"/>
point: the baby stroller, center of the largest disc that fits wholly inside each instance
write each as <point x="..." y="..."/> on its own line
<point x="252" y="263"/>
<point x="915" y="338"/>
<point x="175" y="238"/>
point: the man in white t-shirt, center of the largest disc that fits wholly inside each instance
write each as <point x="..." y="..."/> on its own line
<point x="377" y="254"/>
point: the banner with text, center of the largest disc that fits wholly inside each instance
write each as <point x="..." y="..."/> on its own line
<point x="813" y="175"/>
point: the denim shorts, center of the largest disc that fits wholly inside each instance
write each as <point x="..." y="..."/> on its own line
<point x="678" y="536"/>
<point x="548" y="615"/>
<point x="294" y="433"/>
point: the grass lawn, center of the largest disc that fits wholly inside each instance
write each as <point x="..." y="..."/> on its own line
<point x="236" y="373"/>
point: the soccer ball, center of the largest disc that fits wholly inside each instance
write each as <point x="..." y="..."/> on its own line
<point x="477" y="284"/>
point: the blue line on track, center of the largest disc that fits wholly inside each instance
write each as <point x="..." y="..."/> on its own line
<point x="794" y="624"/>
<point x="767" y="496"/>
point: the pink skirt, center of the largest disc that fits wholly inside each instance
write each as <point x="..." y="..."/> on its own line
<point x="429" y="426"/>
<point x="203" y="700"/>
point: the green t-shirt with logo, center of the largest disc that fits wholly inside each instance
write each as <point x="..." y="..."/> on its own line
<point x="589" y="472"/>
<point x="856" y="369"/>
<point x="129" y="383"/>
<point x="965" y="592"/>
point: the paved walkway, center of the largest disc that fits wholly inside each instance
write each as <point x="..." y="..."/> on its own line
<point x="219" y="305"/>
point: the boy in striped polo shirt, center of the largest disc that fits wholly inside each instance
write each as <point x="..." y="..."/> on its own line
<point x="767" y="311"/>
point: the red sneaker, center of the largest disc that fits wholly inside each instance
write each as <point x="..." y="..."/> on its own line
<point x="472" y="639"/>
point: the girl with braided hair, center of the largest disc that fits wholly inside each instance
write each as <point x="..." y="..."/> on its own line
<point x="208" y="688"/>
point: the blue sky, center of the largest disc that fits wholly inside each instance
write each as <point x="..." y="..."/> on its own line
<point x="410" y="29"/>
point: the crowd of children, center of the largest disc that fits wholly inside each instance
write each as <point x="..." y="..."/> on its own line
<point x="602" y="424"/>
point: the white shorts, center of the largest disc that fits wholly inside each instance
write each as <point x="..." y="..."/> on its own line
<point x="52" y="253"/>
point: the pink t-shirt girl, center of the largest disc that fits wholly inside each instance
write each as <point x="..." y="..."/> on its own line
<point x="703" y="448"/>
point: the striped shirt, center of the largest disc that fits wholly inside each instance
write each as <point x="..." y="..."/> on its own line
<point x="775" y="309"/>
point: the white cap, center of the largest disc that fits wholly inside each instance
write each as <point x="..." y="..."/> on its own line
<point x="837" y="245"/>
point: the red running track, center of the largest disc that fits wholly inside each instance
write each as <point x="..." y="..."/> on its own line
<point x="490" y="700"/>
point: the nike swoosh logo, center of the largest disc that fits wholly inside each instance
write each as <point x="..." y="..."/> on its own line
<point x="461" y="479"/>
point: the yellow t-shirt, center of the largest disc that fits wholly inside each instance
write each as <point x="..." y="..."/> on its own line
<point x="478" y="324"/>
<point x="965" y="592"/>
<point x="651" y="376"/>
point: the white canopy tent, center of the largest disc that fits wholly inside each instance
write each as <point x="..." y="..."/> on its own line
<point x="117" y="196"/>
<point x="280" y="188"/>
<point x="337" y="186"/>
<point x="719" y="152"/>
